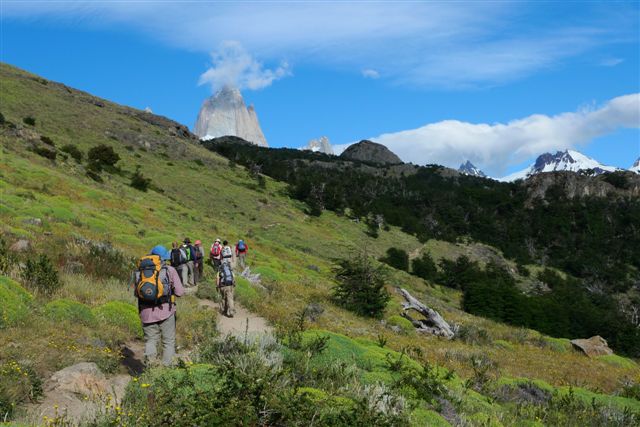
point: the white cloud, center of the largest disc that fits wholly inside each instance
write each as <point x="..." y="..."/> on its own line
<point x="493" y="147"/>
<point x="611" y="62"/>
<point x="233" y="65"/>
<point x="370" y="73"/>
<point x="423" y="44"/>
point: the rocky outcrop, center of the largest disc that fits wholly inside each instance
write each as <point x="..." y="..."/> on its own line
<point x="225" y="114"/>
<point x="575" y="185"/>
<point x="371" y="152"/>
<point x="470" y="169"/>
<point x="79" y="391"/>
<point x="592" y="347"/>
<point x="320" y="145"/>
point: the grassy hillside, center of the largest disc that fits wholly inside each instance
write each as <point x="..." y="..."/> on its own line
<point x="196" y="193"/>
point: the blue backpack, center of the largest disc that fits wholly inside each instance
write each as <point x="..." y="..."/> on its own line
<point x="241" y="246"/>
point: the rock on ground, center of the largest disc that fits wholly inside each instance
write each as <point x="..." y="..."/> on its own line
<point x="80" y="391"/>
<point x="592" y="347"/>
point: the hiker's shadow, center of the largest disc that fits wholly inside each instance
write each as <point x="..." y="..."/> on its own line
<point x="134" y="366"/>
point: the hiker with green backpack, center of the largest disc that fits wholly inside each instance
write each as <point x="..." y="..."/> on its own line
<point x="190" y="253"/>
<point x="156" y="285"/>
<point x="226" y="283"/>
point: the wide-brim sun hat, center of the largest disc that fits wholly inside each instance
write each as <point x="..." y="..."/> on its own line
<point x="161" y="251"/>
<point x="218" y="240"/>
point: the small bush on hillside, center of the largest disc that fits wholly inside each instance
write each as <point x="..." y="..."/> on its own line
<point x="47" y="140"/>
<point x="47" y="153"/>
<point x="40" y="275"/>
<point x="405" y="326"/>
<point x="397" y="258"/>
<point x="73" y="151"/>
<point x="19" y="384"/>
<point x="100" y="157"/>
<point x="424" y="267"/>
<point x="360" y="286"/>
<point x="457" y="274"/>
<point x="472" y="334"/>
<point x="198" y="162"/>
<point x="2" y="119"/>
<point x="29" y="121"/>
<point x="120" y="314"/>
<point x="8" y="259"/>
<point x="15" y="302"/>
<point x="428" y="382"/>
<point x="73" y="311"/>
<point x="139" y="182"/>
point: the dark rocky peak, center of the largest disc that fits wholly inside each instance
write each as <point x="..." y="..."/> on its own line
<point x="469" y="168"/>
<point x="371" y="152"/>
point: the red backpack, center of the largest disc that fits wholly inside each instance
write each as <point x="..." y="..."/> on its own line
<point x="216" y="250"/>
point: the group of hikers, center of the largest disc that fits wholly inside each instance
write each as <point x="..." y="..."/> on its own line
<point x="163" y="275"/>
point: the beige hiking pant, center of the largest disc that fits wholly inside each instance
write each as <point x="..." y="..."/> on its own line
<point x="165" y="332"/>
<point x="227" y="300"/>
<point x="241" y="261"/>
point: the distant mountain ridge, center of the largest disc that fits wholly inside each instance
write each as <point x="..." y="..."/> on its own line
<point x="470" y="169"/>
<point x="568" y="160"/>
<point x="320" y="145"/>
<point x="636" y="166"/>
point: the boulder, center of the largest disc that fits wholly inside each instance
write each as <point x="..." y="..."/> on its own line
<point x="20" y="246"/>
<point x="33" y="221"/>
<point x="592" y="347"/>
<point x="371" y="152"/>
<point x="80" y="392"/>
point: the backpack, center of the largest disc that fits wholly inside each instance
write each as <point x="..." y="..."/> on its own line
<point x="216" y="249"/>
<point x="152" y="281"/>
<point x="177" y="257"/>
<point x="188" y="253"/>
<point x="226" y="252"/>
<point x="241" y="246"/>
<point x="226" y="275"/>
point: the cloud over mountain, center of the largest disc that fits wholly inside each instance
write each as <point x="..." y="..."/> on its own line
<point x="496" y="146"/>
<point x="232" y="65"/>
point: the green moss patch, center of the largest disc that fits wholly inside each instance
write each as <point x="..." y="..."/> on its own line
<point x="15" y="302"/>
<point x="65" y="309"/>
<point x="120" y="314"/>
<point x="406" y="327"/>
<point x="619" y="361"/>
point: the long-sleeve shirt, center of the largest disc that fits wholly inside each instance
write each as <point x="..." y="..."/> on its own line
<point x="164" y="311"/>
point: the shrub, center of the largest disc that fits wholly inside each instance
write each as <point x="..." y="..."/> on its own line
<point x="15" y="302"/>
<point x="424" y="267"/>
<point x="2" y="119"/>
<point x="139" y="182"/>
<point x="397" y="258"/>
<point x="360" y="286"/>
<point x="8" y="259"/>
<point x="19" y="383"/>
<point x="47" y="153"/>
<point x="472" y="334"/>
<point x="40" y="275"/>
<point x="29" y="121"/>
<point x="406" y="327"/>
<point x="73" y="151"/>
<point x="47" y="140"/>
<point x="102" y="156"/>
<point x="120" y="314"/>
<point x="73" y="311"/>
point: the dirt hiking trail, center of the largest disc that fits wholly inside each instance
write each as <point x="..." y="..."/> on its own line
<point x="243" y="321"/>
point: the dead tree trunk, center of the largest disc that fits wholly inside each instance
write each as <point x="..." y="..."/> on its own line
<point x="433" y="323"/>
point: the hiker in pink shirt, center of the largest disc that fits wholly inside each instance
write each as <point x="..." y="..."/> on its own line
<point x="159" y="319"/>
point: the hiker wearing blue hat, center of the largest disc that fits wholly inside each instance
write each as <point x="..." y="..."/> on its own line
<point x="157" y="285"/>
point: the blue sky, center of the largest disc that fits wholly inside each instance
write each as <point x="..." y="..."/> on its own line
<point x="438" y="82"/>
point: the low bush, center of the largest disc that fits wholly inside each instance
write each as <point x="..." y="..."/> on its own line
<point x="397" y="258"/>
<point x="100" y="157"/>
<point x="120" y="314"/>
<point x="73" y="151"/>
<point x="29" y="121"/>
<point x="15" y="302"/>
<point x="472" y="334"/>
<point x="424" y="267"/>
<point x="405" y="326"/>
<point x="40" y="275"/>
<point x="139" y="182"/>
<point x="47" y="153"/>
<point x="47" y="140"/>
<point x="8" y="259"/>
<point x="68" y="310"/>
<point x="19" y="383"/>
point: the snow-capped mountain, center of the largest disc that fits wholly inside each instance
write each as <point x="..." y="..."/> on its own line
<point x="469" y="168"/>
<point x="320" y="145"/>
<point x="568" y="160"/>
<point x="225" y="114"/>
<point x="636" y="166"/>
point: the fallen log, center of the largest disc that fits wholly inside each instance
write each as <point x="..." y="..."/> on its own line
<point x="432" y="323"/>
